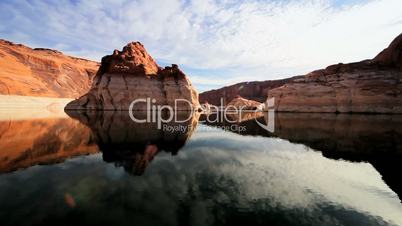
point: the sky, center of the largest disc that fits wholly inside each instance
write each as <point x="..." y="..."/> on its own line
<point x="215" y="42"/>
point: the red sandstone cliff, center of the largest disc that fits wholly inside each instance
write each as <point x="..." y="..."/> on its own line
<point x="370" y="86"/>
<point x="43" y="72"/>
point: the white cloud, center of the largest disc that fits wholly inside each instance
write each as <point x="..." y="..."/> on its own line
<point x="257" y="40"/>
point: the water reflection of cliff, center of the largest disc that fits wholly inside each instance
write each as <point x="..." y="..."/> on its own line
<point x="376" y="139"/>
<point x="133" y="145"/>
<point x="28" y="142"/>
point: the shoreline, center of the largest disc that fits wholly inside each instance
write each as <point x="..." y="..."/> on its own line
<point x="14" y="107"/>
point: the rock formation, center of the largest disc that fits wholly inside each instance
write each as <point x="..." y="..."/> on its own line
<point x="43" y="72"/>
<point x="370" y="86"/>
<point x="250" y="90"/>
<point x="391" y="56"/>
<point x="132" y="74"/>
<point x="244" y="104"/>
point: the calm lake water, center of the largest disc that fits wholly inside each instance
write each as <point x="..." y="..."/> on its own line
<point x="104" y="169"/>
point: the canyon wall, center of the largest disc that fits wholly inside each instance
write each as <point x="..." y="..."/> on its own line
<point x="43" y="72"/>
<point x="370" y="86"/>
<point x="256" y="91"/>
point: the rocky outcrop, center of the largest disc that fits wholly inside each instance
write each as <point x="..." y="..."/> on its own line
<point x="132" y="74"/>
<point x="370" y="86"/>
<point x="241" y="103"/>
<point x="256" y="90"/>
<point x="43" y="72"/>
<point x="391" y="56"/>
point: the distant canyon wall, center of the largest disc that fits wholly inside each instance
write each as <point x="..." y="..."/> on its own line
<point x="256" y="91"/>
<point x="369" y="86"/>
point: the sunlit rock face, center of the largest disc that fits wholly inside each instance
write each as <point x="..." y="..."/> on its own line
<point x="133" y="145"/>
<point x="243" y="104"/>
<point x="132" y="74"/>
<point x="43" y="72"/>
<point x="29" y="142"/>
<point x="370" y="86"/>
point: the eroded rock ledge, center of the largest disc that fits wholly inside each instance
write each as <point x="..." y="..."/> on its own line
<point x="133" y="74"/>
<point x="370" y="86"/>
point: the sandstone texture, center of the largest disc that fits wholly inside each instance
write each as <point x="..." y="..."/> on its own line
<point x="43" y="72"/>
<point x="241" y="103"/>
<point x="256" y="90"/>
<point x="370" y="86"/>
<point x="132" y="74"/>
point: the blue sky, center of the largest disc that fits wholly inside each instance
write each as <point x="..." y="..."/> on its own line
<point x="216" y="42"/>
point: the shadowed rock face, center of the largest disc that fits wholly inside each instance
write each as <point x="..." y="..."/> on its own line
<point x="391" y="56"/>
<point x="133" y="145"/>
<point x="371" y="86"/>
<point x="132" y="74"/>
<point x="43" y="72"/>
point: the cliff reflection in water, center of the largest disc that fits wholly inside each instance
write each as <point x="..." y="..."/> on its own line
<point x="27" y="142"/>
<point x="216" y="178"/>
<point x="133" y="145"/>
<point x="24" y="143"/>
<point x="376" y="139"/>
